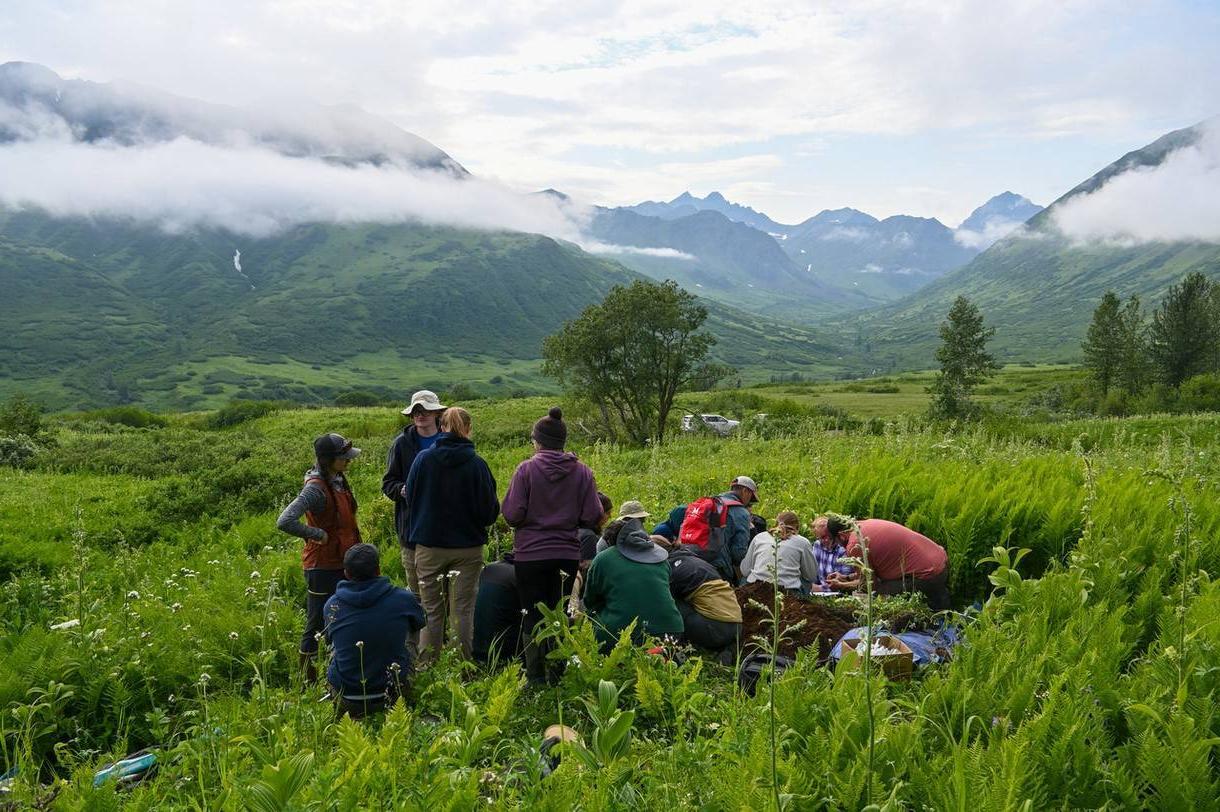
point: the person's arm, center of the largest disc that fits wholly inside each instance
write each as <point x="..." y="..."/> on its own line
<point x="312" y="499"/>
<point x="410" y="487"/>
<point x="488" y="506"/>
<point x="517" y="497"/>
<point x="738" y="522"/>
<point x="594" y="597"/>
<point x="394" y="477"/>
<point x="591" y="506"/>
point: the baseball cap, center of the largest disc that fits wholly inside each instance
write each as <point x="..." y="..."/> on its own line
<point x="335" y="446"/>
<point x="746" y="482"/>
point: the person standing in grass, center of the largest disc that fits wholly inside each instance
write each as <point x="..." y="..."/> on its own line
<point x="551" y="496"/>
<point x="451" y="501"/>
<point x="783" y="557"/>
<point x="629" y="582"/>
<point x="329" y="506"/>
<point x="368" y="621"/>
<point x="902" y="560"/>
<point x="421" y="433"/>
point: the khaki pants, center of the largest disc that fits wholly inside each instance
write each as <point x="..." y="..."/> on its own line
<point x="408" y="566"/>
<point x="447" y="598"/>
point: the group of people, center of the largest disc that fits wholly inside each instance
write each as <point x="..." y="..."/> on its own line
<point x="675" y="581"/>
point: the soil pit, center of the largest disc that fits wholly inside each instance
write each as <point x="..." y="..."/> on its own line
<point x="826" y="620"/>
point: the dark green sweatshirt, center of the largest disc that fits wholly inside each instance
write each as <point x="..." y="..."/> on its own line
<point x="618" y="591"/>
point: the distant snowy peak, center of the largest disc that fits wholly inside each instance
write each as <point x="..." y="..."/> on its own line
<point x="36" y="103"/>
<point x="687" y="204"/>
<point x="995" y="219"/>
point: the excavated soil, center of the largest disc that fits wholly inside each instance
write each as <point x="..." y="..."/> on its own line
<point x="825" y="620"/>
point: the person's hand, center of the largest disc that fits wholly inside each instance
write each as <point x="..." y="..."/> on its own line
<point x="320" y="540"/>
<point x="403" y="491"/>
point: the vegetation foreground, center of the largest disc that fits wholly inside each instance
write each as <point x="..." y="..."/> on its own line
<point x="148" y="601"/>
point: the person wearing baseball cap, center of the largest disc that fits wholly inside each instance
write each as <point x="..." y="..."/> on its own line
<point x="742" y="493"/>
<point x="425" y="410"/>
<point x="329" y="507"/>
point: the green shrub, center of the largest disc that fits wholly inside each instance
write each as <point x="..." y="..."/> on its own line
<point x="132" y="416"/>
<point x="359" y="397"/>
<point x="240" y="411"/>
<point x="20" y="415"/>
<point x="1200" y="394"/>
<point x="17" y="451"/>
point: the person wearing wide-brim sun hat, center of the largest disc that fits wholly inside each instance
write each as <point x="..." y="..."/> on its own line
<point x="329" y="507"/>
<point x="629" y="582"/>
<point x="425" y="410"/>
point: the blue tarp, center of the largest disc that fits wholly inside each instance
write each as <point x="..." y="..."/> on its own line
<point x="923" y="645"/>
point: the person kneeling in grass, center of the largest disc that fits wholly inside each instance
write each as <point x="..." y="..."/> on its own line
<point x="783" y="557"/>
<point x="368" y="620"/>
<point x="629" y="581"/>
<point x="711" y="615"/>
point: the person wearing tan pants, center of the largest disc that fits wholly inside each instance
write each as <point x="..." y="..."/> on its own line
<point x="451" y="496"/>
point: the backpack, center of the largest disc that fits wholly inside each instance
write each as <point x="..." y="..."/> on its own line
<point x="703" y="531"/>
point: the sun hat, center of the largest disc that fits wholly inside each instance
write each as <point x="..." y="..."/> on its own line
<point x="635" y="545"/>
<point x="426" y="398"/>
<point x="631" y="509"/>
<point x="747" y="483"/>
<point x="335" y="446"/>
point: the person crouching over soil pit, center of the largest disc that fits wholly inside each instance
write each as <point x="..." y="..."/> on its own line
<point x="901" y="559"/>
<point x="783" y="557"/>
<point x="710" y="612"/>
<point x="628" y="582"/>
<point x="368" y="621"/>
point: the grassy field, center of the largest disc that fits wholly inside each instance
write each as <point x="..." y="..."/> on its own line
<point x="1087" y="679"/>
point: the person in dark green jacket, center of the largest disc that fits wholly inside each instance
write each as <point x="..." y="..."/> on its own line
<point x="630" y="582"/>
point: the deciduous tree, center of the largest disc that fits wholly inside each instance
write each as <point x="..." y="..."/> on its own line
<point x="632" y="353"/>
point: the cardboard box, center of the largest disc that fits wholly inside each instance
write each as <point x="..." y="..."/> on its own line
<point x="895" y="666"/>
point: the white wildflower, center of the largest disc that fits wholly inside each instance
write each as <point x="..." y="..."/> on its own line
<point x="254" y="576"/>
<point x="175" y="607"/>
<point x="133" y="595"/>
<point x="67" y="624"/>
<point x="205" y="677"/>
<point x="232" y="635"/>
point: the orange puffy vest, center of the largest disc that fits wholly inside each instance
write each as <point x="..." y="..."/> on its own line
<point x="338" y="519"/>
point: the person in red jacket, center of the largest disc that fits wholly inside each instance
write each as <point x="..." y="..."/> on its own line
<point x="901" y="559"/>
<point x="329" y="506"/>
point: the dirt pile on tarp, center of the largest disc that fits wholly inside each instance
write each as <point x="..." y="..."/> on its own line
<point x="825" y="620"/>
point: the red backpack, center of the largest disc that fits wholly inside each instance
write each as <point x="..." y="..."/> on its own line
<point x="703" y="528"/>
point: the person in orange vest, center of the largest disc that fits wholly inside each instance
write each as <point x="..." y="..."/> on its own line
<point x="329" y="507"/>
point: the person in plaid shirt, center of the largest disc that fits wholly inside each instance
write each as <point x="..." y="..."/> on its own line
<point x="827" y="552"/>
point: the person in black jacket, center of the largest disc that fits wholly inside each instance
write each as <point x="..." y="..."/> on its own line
<point x="710" y="612"/>
<point x="497" y="614"/>
<point x="425" y="412"/>
<point x="451" y="496"/>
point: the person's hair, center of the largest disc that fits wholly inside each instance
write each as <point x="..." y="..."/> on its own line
<point x="456" y="419"/>
<point x="607" y="505"/>
<point x="362" y="562"/>
<point x="610" y="533"/>
<point x="788" y="518"/>
<point x="836" y="525"/>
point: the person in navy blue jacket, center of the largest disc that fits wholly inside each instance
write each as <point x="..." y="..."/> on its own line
<point x="451" y="500"/>
<point x="368" y="620"/>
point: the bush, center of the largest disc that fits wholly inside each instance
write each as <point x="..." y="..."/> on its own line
<point x="1200" y="394"/>
<point x="17" y="451"/>
<point x="240" y="411"/>
<point x="132" y="416"/>
<point x="20" y="415"/>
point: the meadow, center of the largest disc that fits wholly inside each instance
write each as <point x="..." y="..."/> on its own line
<point x="148" y="601"/>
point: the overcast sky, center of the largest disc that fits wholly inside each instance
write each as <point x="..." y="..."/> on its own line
<point x="924" y="108"/>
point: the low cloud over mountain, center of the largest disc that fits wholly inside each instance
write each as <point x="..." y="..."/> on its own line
<point x="1174" y="200"/>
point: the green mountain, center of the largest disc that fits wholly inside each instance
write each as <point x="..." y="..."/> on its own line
<point x="1037" y="287"/>
<point x="109" y="312"/>
<point x="729" y="261"/>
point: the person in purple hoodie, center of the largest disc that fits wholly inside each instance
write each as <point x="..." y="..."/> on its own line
<point x="551" y="496"/>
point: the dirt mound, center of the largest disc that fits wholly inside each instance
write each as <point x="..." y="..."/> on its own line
<point x="825" y="620"/>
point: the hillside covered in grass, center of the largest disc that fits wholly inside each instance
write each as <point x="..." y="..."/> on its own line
<point x="147" y="600"/>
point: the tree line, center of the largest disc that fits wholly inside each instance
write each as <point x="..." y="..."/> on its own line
<point x="1170" y="361"/>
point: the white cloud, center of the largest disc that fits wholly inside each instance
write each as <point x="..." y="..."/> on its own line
<point x="185" y="184"/>
<point x="666" y="253"/>
<point x="994" y="230"/>
<point x="1177" y="201"/>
